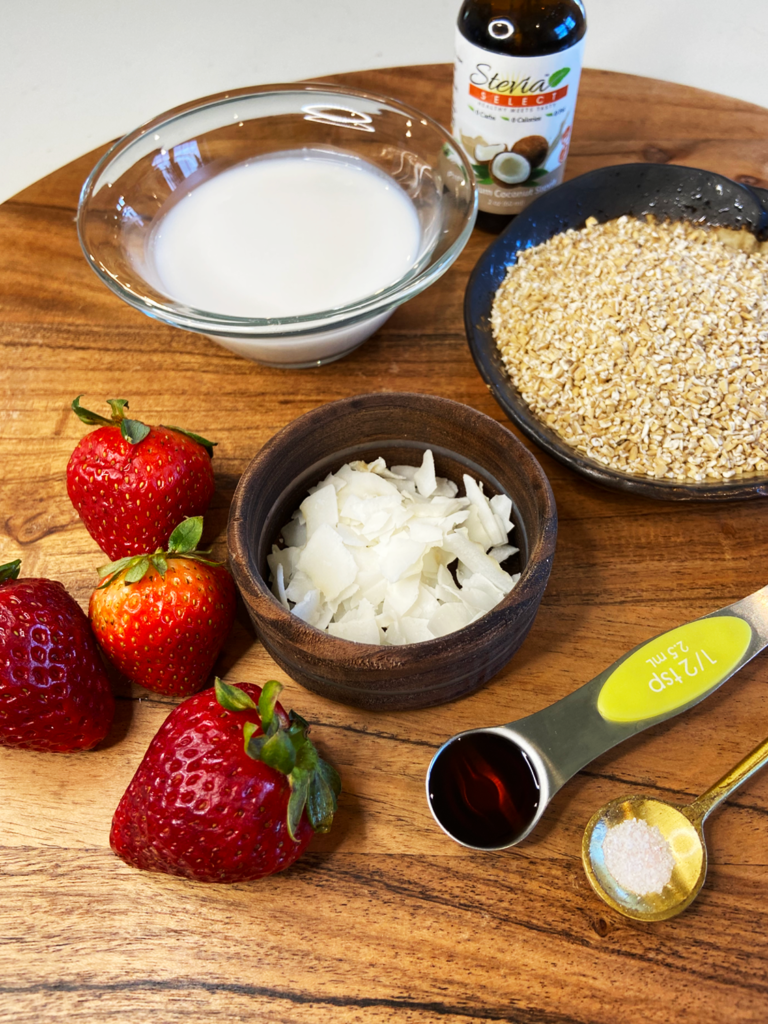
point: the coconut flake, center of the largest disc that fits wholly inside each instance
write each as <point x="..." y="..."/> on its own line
<point x="368" y="554"/>
<point x="280" y="586"/>
<point x="359" y="625"/>
<point x="448" y="618"/>
<point x="295" y="532"/>
<point x="401" y="596"/>
<point x="327" y="562"/>
<point x="320" y="507"/>
<point x="491" y="525"/>
<point x="424" y="477"/>
<point x="399" y="556"/>
<point x="501" y="505"/>
<point x="309" y="606"/>
<point x="503" y="552"/>
<point x="475" y="560"/>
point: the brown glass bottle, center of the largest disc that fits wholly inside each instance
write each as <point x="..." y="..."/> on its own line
<point x="516" y="78"/>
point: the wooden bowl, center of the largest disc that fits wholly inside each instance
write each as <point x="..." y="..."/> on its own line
<point x="398" y="427"/>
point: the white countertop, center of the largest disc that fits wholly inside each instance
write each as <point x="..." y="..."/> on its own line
<point x="74" y="75"/>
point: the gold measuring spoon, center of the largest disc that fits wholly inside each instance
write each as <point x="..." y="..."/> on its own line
<point x="682" y="826"/>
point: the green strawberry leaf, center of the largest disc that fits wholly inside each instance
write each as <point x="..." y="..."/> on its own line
<point x="208" y="445"/>
<point x="295" y="717"/>
<point x="91" y="418"/>
<point x="181" y="544"/>
<point x="253" y="744"/>
<point x="186" y="536"/>
<point x="300" y="787"/>
<point x="234" y="699"/>
<point x="113" y="567"/>
<point x="159" y="562"/>
<point x="269" y="694"/>
<point x="315" y="784"/>
<point x="321" y="804"/>
<point x="278" y="752"/>
<point x="10" y="571"/>
<point x="556" y="78"/>
<point x="306" y="755"/>
<point x="330" y="775"/>
<point x="137" y="571"/>
<point x="133" y="431"/>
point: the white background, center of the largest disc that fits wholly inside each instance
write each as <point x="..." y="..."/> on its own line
<point x="77" y="73"/>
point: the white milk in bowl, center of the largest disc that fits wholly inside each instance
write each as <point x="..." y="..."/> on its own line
<point x="289" y="234"/>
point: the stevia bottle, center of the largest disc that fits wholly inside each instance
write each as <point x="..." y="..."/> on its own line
<point x="516" y="77"/>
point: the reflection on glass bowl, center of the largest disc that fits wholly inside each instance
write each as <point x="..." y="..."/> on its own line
<point x="175" y="163"/>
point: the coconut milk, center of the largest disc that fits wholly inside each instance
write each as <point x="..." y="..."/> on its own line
<point x="286" y="235"/>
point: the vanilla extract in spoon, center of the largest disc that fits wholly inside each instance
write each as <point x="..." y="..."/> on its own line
<point x="484" y="791"/>
<point x="488" y="788"/>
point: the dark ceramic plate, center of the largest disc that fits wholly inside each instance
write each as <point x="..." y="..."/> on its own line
<point x="669" y="192"/>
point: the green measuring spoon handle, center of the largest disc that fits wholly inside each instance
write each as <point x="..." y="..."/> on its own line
<point x="653" y="682"/>
<point x="702" y="806"/>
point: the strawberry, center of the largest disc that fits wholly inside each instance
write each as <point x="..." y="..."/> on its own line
<point x="162" y="618"/>
<point x="131" y="484"/>
<point x="54" y="692"/>
<point x="230" y="789"/>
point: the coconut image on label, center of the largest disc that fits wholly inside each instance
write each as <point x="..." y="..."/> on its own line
<point x="511" y="166"/>
<point x="485" y="153"/>
<point x="534" y="148"/>
<point x="510" y="169"/>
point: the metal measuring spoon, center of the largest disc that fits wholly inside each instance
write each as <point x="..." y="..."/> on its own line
<point x="682" y="828"/>
<point x="488" y="788"/>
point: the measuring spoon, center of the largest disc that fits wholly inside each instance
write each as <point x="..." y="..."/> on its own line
<point x="683" y="829"/>
<point x="488" y="788"/>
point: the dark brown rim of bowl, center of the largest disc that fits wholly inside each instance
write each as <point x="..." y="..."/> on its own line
<point x="327" y="648"/>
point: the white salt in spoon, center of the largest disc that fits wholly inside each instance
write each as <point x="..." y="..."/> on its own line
<point x="681" y="826"/>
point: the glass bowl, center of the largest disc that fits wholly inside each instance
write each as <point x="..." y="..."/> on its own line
<point x="145" y="173"/>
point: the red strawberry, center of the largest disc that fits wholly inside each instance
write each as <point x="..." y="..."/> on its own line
<point x="54" y="692"/>
<point x="207" y="805"/>
<point x="162" y="618"/>
<point x="131" y="484"/>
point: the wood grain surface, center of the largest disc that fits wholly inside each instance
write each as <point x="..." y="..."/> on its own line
<point x="385" y="919"/>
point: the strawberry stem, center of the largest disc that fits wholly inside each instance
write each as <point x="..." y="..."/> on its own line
<point x="118" y="407"/>
<point x="91" y="418"/>
<point x="315" y="784"/>
<point x="10" y="571"/>
<point x="181" y="544"/>
<point x="134" y="431"/>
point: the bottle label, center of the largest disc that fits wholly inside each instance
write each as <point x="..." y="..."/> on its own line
<point x="674" y="669"/>
<point x="513" y="116"/>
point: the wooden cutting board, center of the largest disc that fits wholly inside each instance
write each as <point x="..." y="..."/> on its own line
<point x="385" y="919"/>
